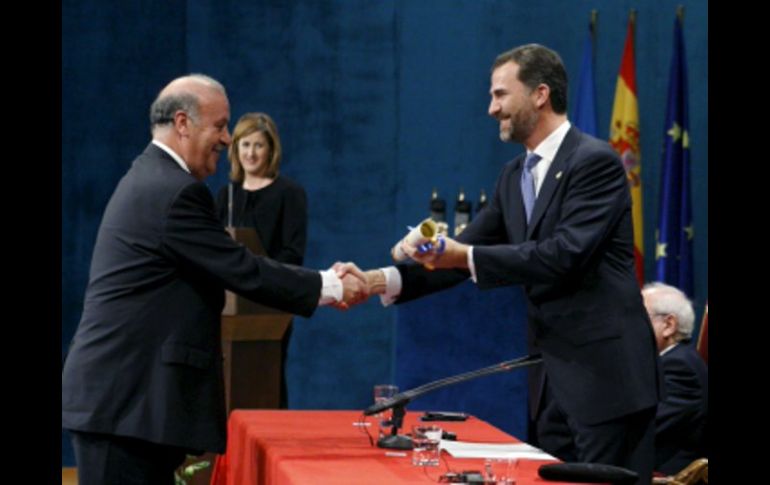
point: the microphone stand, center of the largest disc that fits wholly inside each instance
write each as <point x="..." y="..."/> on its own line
<point x="395" y="441"/>
<point x="400" y="400"/>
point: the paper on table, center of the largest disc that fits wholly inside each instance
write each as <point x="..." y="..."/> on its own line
<point x="460" y="449"/>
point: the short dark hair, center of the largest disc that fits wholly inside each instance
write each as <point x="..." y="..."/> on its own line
<point x="539" y="65"/>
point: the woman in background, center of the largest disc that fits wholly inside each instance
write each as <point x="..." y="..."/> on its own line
<point x="258" y="197"/>
<point x="261" y="198"/>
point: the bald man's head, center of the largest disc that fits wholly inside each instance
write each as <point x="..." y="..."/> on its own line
<point x="190" y="116"/>
<point x="182" y="94"/>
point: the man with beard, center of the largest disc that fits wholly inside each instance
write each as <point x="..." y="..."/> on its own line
<point x="559" y="224"/>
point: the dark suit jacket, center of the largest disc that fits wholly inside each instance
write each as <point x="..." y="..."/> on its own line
<point x="681" y="421"/>
<point x="146" y="360"/>
<point x="575" y="260"/>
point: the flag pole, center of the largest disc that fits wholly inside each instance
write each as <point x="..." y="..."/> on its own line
<point x="584" y="113"/>
<point x="624" y="138"/>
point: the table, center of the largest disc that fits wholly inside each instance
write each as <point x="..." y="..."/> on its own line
<point x="272" y="447"/>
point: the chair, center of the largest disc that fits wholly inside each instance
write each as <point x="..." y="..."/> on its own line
<point x="695" y="472"/>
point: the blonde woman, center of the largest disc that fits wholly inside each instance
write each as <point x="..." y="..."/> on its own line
<point x="261" y="198"/>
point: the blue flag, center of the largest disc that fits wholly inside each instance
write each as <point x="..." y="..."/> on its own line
<point x="673" y="249"/>
<point x="585" y="103"/>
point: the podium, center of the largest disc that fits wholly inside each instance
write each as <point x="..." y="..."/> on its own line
<point x="251" y="348"/>
<point x="251" y="343"/>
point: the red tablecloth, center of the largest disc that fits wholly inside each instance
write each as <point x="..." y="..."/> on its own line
<point x="325" y="447"/>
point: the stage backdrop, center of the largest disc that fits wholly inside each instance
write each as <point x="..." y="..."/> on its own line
<point x="377" y="102"/>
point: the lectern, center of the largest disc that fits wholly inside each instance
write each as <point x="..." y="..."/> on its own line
<point x="251" y="347"/>
<point x="251" y="343"/>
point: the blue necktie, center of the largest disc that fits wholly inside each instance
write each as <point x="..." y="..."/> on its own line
<point x="528" y="183"/>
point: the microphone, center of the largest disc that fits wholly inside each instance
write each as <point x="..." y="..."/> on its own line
<point x="403" y="398"/>
<point x="399" y="401"/>
<point x="587" y="473"/>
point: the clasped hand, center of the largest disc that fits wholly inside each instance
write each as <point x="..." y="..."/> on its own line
<point x="355" y="288"/>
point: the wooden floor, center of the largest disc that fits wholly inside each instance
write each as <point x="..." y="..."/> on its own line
<point x="69" y="476"/>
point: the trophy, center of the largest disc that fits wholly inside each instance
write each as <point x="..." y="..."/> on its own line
<point x="462" y="213"/>
<point x="482" y="201"/>
<point x="437" y="207"/>
<point x="438" y="212"/>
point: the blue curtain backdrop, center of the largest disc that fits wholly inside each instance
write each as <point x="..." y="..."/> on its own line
<point x="377" y="102"/>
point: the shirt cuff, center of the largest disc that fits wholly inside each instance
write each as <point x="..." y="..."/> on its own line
<point x="392" y="285"/>
<point x="471" y="266"/>
<point x="331" y="287"/>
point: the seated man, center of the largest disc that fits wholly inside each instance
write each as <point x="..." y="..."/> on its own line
<point x="680" y="424"/>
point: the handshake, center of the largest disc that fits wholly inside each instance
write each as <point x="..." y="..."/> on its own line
<point x="420" y="245"/>
<point x="357" y="285"/>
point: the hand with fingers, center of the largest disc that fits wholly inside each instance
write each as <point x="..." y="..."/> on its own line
<point x="355" y="287"/>
<point x="444" y="253"/>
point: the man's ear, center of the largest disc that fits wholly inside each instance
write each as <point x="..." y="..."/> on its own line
<point x="542" y="94"/>
<point x="670" y="325"/>
<point x="182" y="123"/>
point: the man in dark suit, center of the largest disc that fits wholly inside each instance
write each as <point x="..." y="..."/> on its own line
<point x="572" y="249"/>
<point x="681" y="420"/>
<point x="142" y="384"/>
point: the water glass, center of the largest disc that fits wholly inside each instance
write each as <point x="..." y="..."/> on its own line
<point x="500" y="471"/>
<point x="383" y="392"/>
<point x="426" y="441"/>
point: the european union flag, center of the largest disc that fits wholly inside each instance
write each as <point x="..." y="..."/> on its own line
<point x="673" y="251"/>
<point x="585" y="104"/>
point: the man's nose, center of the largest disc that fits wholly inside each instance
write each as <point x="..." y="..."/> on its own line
<point x="494" y="108"/>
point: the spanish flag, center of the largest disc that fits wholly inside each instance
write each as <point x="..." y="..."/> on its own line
<point x="624" y="138"/>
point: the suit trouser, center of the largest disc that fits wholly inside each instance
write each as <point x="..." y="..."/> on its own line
<point x="627" y="441"/>
<point x="106" y="460"/>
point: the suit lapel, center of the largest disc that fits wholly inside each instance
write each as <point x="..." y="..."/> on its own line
<point x="552" y="179"/>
